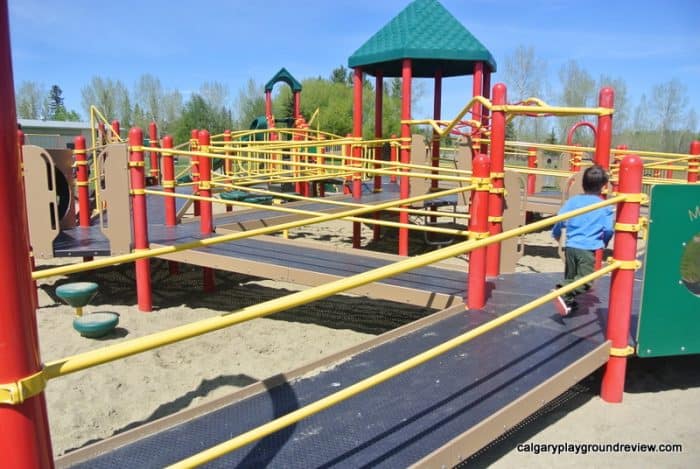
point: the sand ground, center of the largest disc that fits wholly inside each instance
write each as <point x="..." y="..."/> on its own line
<point x="661" y="402"/>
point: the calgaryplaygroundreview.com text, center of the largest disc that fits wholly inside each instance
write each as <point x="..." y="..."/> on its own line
<point x="588" y="448"/>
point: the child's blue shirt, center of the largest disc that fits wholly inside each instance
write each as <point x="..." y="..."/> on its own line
<point x="588" y="231"/>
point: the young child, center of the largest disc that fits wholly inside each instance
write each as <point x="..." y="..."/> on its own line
<point x="584" y="235"/>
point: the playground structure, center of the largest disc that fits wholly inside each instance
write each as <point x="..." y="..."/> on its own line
<point x="124" y="198"/>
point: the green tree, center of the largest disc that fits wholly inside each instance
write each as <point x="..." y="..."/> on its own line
<point x="250" y="104"/>
<point x="198" y="114"/>
<point x="56" y="109"/>
<point x="340" y="75"/>
<point x="31" y="102"/>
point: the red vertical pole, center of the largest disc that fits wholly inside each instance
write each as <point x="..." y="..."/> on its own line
<point x="169" y="187"/>
<point x="498" y="145"/>
<point x="194" y="167"/>
<point x="82" y="181"/>
<point x="622" y="280"/>
<point x="405" y="158"/>
<point x="694" y="163"/>
<point x="437" y="112"/>
<point x="603" y="140"/>
<point x="297" y="104"/>
<point x="393" y="157"/>
<point x="169" y="182"/>
<point x="484" y="111"/>
<point x="531" y="163"/>
<point x="101" y="134"/>
<point x="268" y="105"/>
<point x="154" y="172"/>
<point x="25" y="438"/>
<point x="477" y="89"/>
<point x="576" y="160"/>
<point x="357" y="150"/>
<point x="137" y="176"/>
<point x="478" y="224"/>
<point x="116" y="131"/>
<point x="206" y="224"/>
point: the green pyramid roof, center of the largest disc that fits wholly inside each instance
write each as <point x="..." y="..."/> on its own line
<point x="285" y="76"/>
<point x="428" y="34"/>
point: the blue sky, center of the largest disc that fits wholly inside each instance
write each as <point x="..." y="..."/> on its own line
<point x="187" y="43"/>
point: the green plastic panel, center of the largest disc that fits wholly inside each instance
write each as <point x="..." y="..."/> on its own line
<point x="669" y="322"/>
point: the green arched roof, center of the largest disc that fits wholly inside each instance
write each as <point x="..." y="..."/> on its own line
<point x="285" y="76"/>
<point x="428" y="34"/>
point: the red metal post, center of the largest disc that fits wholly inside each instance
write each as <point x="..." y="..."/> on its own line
<point x="393" y="157"/>
<point x="82" y="181"/>
<point x="357" y="151"/>
<point x="169" y="187"/>
<point x="496" y="204"/>
<point x="477" y="89"/>
<point x="531" y="163"/>
<point x="169" y="182"/>
<point x="297" y="104"/>
<point x="206" y="224"/>
<point x="194" y="168"/>
<point x="153" y="155"/>
<point x="268" y="106"/>
<point x="484" y="111"/>
<point x="694" y="163"/>
<point x="603" y="135"/>
<point x="405" y="158"/>
<point x="116" y="131"/>
<point x="25" y="440"/>
<point x="137" y="176"/>
<point x="101" y="134"/>
<point x="622" y="280"/>
<point x="478" y="224"/>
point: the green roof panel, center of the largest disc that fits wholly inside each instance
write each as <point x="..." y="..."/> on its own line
<point x="285" y="76"/>
<point x="428" y="34"/>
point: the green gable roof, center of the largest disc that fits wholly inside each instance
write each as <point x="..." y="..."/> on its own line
<point x="428" y="34"/>
<point x="285" y="76"/>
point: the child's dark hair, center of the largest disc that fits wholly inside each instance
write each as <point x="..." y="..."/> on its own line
<point x="594" y="179"/>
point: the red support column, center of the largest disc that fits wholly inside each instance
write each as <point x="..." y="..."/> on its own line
<point x="393" y="157"/>
<point x="694" y="163"/>
<point x="405" y="158"/>
<point x="297" y="104"/>
<point x="603" y="139"/>
<point x="478" y="224"/>
<point x="484" y="111"/>
<point x="25" y="441"/>
<point x="531" y="163"/>
<point x="169" y="182"/>
<point x="498" y="144"/>
<point x="116" y="131"/>
<point x="138" y="183"/>
<point x="206" y="224"/>
<point x="268" y="105"/>
<point x="169" y="187"/>
<point x="477" y="89"/>
<point x="82" y="181"/>
<point x="194" y="168"/>
<point x="622" y="280"/>
<point x="357" y="151"/>
<point x="154" y="172"/>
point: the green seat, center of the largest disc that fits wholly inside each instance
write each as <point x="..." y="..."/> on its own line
<point x="262" y="200"/>
<point x="96" y="324"/>
<point x="77" y="294"/>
